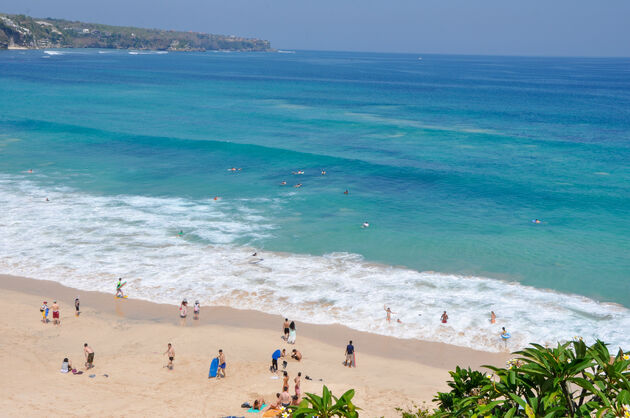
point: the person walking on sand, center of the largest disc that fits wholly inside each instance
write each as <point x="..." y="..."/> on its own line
<point x="55" y="311"/>
<point x="170" y="351"/>
<point x="44" y="310"/>
<point x="89" y="356"/>
<point x="221" y="370"/>
<point x="292" y="333"/>
<point x="285" y="379"/>
<point x="285" y="327"/>
<point x="349" y="355"/>
<point x="196" y="310"/>
<point x="119" y="286"/>
<point x="77" y="312"/>
<point x="493" y="317"/>
<point x="444" y="317"/>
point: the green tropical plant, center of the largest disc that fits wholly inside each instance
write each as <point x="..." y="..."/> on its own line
<point x="570" y="380"/>
<point x="326" y="406"/>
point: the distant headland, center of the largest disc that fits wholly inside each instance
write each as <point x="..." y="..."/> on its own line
<point x="24" y="32"/>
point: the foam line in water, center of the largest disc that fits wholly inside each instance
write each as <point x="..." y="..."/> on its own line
<point x="87" y="241"/>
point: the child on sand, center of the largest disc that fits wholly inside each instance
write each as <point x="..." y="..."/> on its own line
<point x="196" y="310"/>
<point x="44" y="310"/>
<point x="170" y="351"/>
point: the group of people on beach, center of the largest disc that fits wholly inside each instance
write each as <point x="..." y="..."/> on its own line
<point x="56" y="314"/>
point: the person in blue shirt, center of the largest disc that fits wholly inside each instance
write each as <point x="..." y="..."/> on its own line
<point x="349" y="355"/>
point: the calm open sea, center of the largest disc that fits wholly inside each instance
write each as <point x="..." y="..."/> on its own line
<point x="448" y="158"/>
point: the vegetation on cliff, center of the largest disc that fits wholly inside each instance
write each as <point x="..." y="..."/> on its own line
<point x="20" y="31"/>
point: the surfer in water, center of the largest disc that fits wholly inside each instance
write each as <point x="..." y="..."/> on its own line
<point x="323" y="172"/>
<point x="283" y="183"/>
<point x="536" y="221"/>
<point x="119" y="286"/>
<point x="346" y="192"/>
<point x="365" y="225"/>
<point x="298" y="185"/>
<point x="181" y="233"/>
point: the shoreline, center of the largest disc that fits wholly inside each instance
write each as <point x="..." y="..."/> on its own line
<point x="129" y="378"/>
<point x="441" y="354"/>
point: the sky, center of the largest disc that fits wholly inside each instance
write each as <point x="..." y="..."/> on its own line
<point x="484" y="27"/>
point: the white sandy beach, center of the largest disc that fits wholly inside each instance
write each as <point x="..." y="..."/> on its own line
<point x="129" y="338"/>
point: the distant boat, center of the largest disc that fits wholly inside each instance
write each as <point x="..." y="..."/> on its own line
<point x="280" y="51"/>
<point x="419" y="58"/>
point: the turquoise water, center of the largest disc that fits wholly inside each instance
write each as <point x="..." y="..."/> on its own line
<point x="449" y="159"/>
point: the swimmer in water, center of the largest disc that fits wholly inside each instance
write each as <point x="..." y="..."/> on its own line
<point x="365" y="225"/>
<point x="217" y="198"/>
<point x="181" y="233"/>
<point x="444" y="317"/>
<point x="298" y="185"/>
<point x="283" y="183"/>
<point x="346" y="192"/>
<point x="297" y="172"/>
<point x="47" y="200"/>
<point x="536" y="221"/>
<point x="493" y="317"/>
<point x="30" y="170"/>
<point x="323" y="172"/>
<point x="389" y="313"/>
<point x="504" y="333"/>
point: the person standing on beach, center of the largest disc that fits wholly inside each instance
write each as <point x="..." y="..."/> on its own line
<point x="493" y="317"/>
<point x="55" y="311"/>
<point x="285" y="379"/>
<point x="221" y="370"/>
<point x="183" y="309"/>
<point x="292" y="333"/>
<point x="285" y="326"/>
<point x="444" y="317"/>
<point x="298" y="391"/>
<point x="196" y="310"/>
<point x="44" y="310"/>
<point x="77" y="312"/>
<point x="170" y="351"/>
<point x="89" y="356"/>
<point x="349" y="355"/>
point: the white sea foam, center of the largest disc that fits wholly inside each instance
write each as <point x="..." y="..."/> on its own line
<point x="87" y="241"/>
<point x="53" y="52"/>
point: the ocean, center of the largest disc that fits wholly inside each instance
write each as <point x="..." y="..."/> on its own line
<point x="448" y="158"/>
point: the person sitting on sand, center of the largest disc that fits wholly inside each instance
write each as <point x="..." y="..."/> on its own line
<point x="258" y="404"/>
<point x="296" y="355"/>
<point x="170" y="351"/>
<point x="221" y="370"/>
<point x="295" y="400"/>
<point x="285" y="397"/>
<point x="444" y="317"/>
<point x="89" y="356"/>
<point x="66" y="366"/>
<point x="275" y="405"/>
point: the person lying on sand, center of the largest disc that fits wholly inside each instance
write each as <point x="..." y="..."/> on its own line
<point x="258" y="404"/>
<point x="296" y="355"/>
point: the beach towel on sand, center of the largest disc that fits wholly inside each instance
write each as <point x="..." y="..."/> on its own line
<point x="252" y="410"/>
<point x="272" y="413"/>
